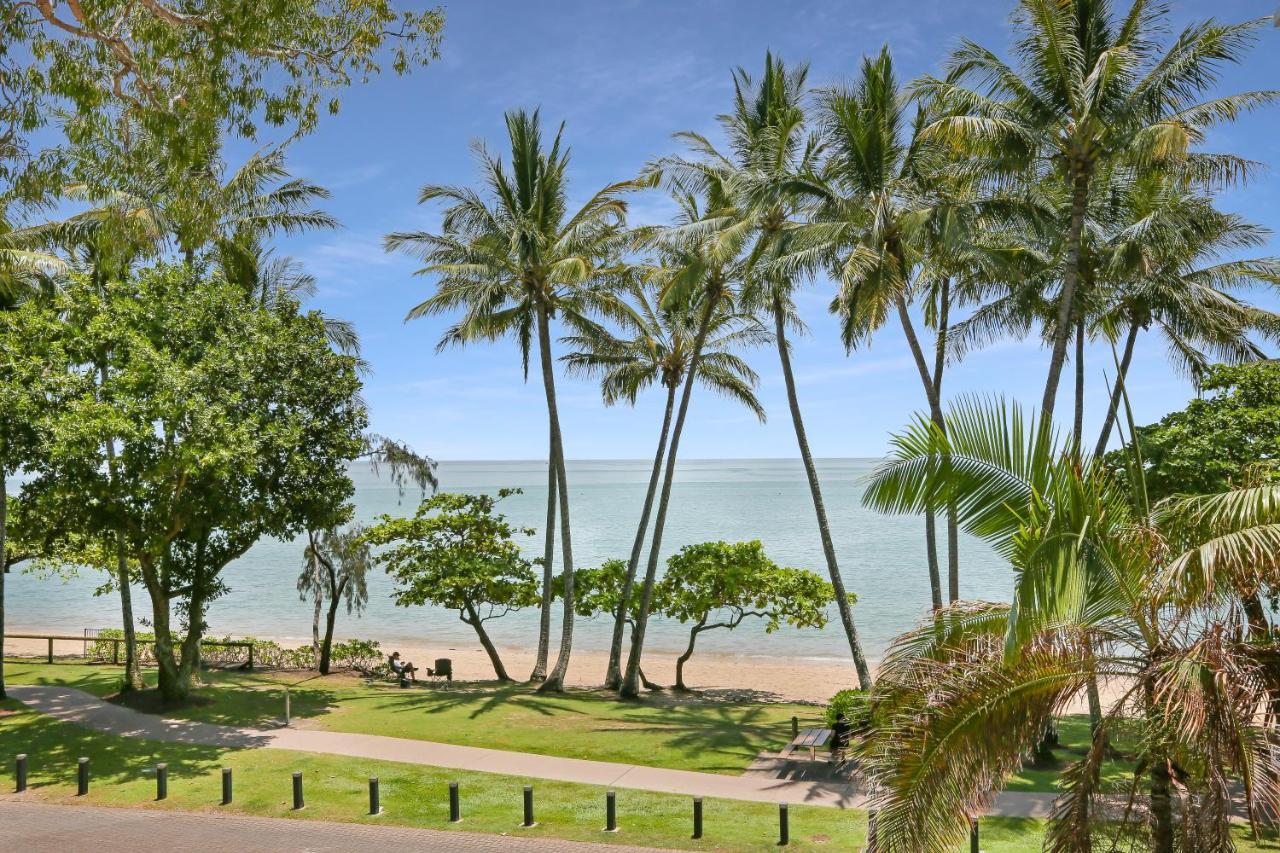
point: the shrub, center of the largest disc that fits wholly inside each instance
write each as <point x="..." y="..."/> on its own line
<point x="362" y="655"/>
<point x="854" y="704"/>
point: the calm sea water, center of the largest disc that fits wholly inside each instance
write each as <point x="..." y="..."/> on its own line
<point x="881" y="557"/>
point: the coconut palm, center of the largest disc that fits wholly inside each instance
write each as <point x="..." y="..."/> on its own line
<point x="696" y="275"/>
<point x="770" y="173"/>
<point x="1105" y="587"/>
<point x="654" y="346"/>
<point x="513" y="257"/>
<point x="1089" y="88"/>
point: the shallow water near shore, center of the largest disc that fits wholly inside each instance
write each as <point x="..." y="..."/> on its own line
<point x="882" y="558"/>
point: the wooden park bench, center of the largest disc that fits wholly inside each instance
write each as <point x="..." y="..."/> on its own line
<point x="810" y="739"/>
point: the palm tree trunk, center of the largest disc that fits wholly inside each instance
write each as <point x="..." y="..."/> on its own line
<point x="939" y="364"/>
<point x="613" y="675"/>
<point x="4" y="564"/>
<point x="631" y="679"/>
<point x="935" y="414"/>
<point x="555" y="680"/>
<point x="548" y="563"/>
<point x="1077" y="428"/>
<point x="815" y="489"/>
<point x="1110" y="418"/>
<point x="1162" y="829"/>
<point x="1066" y="300"/>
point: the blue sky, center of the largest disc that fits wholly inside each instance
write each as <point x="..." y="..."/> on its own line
<point x="624" y="76"/>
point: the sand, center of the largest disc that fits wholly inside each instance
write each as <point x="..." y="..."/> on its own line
<point x="741" y="676"/>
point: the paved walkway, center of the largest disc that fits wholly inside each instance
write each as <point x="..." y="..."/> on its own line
<point x="76" y="706"/>
<point x="37" y="828"/>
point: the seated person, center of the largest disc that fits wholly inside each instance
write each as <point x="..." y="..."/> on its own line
<point x="406" y="671"/>
<point x="840" y="732"/>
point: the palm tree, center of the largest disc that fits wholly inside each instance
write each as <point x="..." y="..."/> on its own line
<point x="1106" y="587"/>
<point x="771" y="178"/>
<point x="514" y="261"/>
<point x="655" y="348"/>
<point x="1089" y="89"/>
<point x="696" y="276"/>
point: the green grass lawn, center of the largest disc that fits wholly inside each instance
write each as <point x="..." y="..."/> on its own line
<point x="683" y="732"/>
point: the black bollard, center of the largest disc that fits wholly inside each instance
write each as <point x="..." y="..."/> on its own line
<point x="784" y="828"/>
<point x="21" y="773"/>
<point x="375" y="806"/>
<point x="611" y="811"/>
<point x="162" y="781"/>
<point x="973" y="836"/>
<point x="297" y="791"/>
<point x="82" y="778"/>
<point x="528" y="806"/>
<point x="455" y="806"/>
<point x="697" y="817"/>
<point x="226" y="786"/>
<point x="795" y="727"/>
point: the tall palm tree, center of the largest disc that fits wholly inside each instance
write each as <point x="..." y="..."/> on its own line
<point x="697" y="272"/>
<point x="1106" y="586"/>
<point x="770" y="173"/>
<point x="513" y="258"/>
<point x="654" y="346"/>
<point x="1088" y="89"/>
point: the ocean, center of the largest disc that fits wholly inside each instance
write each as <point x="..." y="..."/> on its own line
<point x="882" y="558"/>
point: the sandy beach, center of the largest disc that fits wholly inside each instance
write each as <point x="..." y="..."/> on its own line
<point x="756" y="677"/>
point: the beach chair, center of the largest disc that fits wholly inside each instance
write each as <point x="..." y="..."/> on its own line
<point x="442" y="669"/>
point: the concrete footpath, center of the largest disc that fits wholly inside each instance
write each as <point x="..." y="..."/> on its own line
<point x="39" y="828"/>
<point x="75" y="706"/>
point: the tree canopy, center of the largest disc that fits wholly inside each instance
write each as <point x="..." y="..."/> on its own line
<point x="232" y="422"/>
<point x="1226" y="439"/>
<point x="458" y="552"/>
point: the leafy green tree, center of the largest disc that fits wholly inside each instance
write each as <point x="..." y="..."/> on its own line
<point x="335" y="567"/>
<point x="189" y="73"/>
<point x="512" y="262"/>
<point x="1227" y="439"/>
<point x="208" y="397"/>
<point x="654" y="346"/>
<point x="1090" y="89"/>
<point x="601" y="591"/>
<point x="457" y="552"/>
<point x="719" y="585"/>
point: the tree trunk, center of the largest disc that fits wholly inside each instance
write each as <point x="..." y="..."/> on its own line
<point x="4" y="564"/>
<point x="1162" y="829"/>
<point x="315" y="622"/>
<point x="815" y="489"/>
<point x="132" y="668"/>
<point x="935" y="414"/>
<point x="326" y="645"/>
<point x="1070" y="277"/>
<point x="555" y="681"/>
<point x="631" y="678"/>
<point x="939" y="365"/>
<point x="688" y="653"/>
<point x="473" y="619"/>
<point x="1077" y="427"/>
<point x="548" y="563"/>
<point x="1110" y="418"/>
<point x="613" y="675"/>
<point x="169" y="679"/>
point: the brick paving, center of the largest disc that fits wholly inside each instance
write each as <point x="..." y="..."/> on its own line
<point x="40" y="828"/>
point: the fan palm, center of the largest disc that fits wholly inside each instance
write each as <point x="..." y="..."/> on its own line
<point x="1105" y="587"/>
<point x="1090" y="88"/>
<point x="514" y="261"/>
<point x="654" y="347"/>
